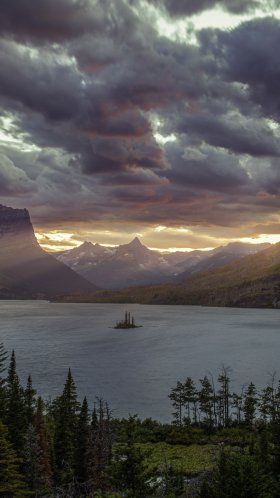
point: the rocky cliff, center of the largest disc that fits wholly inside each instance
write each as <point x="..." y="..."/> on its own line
<point x="25" y="269"/>
<point x="15" y="223"/>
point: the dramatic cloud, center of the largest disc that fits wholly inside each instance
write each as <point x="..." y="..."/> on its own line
<point x="54" y="20"/>
<point x="250" y="56"/>
<point x="12" y="179"/>
<point x="106" y="120"/>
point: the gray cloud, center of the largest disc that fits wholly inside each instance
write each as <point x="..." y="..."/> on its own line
<point x="13" y="180"/>
<point x="89" y="83"/>
<point x="249" y="55"/>
<point x="42" y="20"/>
<point x="232" y="132"/>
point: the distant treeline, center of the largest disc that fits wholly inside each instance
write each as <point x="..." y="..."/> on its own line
<point x="61" y="448"/>
<point x="216" y="405"/>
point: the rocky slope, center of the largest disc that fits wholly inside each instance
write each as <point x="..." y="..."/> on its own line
<point x="25" y="269"/>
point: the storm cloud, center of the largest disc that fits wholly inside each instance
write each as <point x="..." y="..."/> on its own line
<point x="105" y="119"/>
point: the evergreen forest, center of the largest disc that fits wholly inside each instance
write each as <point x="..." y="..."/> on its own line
<point x="220" y="443"/>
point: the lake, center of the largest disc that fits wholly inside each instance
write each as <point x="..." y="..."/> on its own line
<point x="135" y="369"/>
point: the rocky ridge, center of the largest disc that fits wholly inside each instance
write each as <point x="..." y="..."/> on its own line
<point x="26" y="270"/>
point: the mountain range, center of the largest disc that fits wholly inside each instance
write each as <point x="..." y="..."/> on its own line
<point x="233" y="275"/>
<point x="26" y="270"/>
<point x="250" y="281"/>
<point x="134" y="264"/>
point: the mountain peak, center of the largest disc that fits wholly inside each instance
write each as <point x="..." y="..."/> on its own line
<point x="86" y="245"/>
<point x="135" y="243"/>
<point x="26" y="265"/>
<point x="134" y="247"/>
<point x="16" y="223"/>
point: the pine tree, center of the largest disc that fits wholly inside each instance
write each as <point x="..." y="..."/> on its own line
<point x="3" y="359"/>
<point x="43" y="471"/>
<point x="275" y="451"/>
<point x="65" y="432"/>
<point x="224" y="396"/>
<point x="83" y="432"/>
<point x="29" y="457"/>
<point x="30" y="401"/>
<point x="12" y="484"/>
<point x="190" y="399"/>
<point x="99" y="452"/>
<point x="237" y="475"/>
<point x="94" y="419"/>
<point x="129" y="473"/>
<point x="267" y="404"/>
<point x="15" y="413"/>
<point x="237" y="403"/>
<point x="177" y="397"/>
<point x="206" y="402"/>
<point x="250" y="404"/>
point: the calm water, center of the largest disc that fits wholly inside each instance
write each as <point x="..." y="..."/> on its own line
<point x="135" y="369"/>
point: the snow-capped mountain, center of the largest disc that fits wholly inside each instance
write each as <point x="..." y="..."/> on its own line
<point x="135" y="264"/>
<point x="124" y="265"/>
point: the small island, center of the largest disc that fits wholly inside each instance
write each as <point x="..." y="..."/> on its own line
<point x="127" y="323"/>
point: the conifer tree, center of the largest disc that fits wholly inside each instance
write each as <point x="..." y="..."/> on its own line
<point x="29" y="457"/>
<point x="66" y="432"/>
<point x="237" y="475"/>
<point x="129" y="471"/>
<point x="82" y="443"/>
<point x="267" y="404"/>
<point x="250" y="404"/>
<point x="224" y="396"/>
<point x="277" y="402"/>
<point x="15" y="413"/>
<point x="206" y="402"/>
<point x="275" y="440"/>
<point x="3" y="367"/>
<point x="177" y="397"/>
<point x="30" y="401"/>
<point x="99" y="452"/>
<point x="237" y="404"/>
<point x="94" y="419"/>
<point x="12" y="484"/>
<point x="3" y="359"/>
<point x="43" y="471"/>
<point x="190" y="399"/>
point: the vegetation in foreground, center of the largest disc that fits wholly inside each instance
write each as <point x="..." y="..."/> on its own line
<point x="220" y="445"/>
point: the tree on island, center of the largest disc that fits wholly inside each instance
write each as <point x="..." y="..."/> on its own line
<point x="127" y="323"/>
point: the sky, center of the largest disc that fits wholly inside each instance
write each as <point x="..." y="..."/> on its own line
<point x="158" y="119"/>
